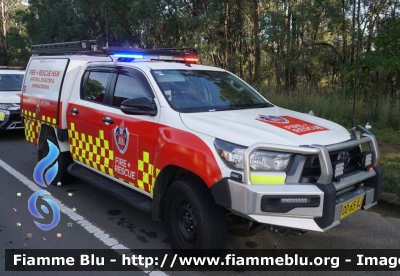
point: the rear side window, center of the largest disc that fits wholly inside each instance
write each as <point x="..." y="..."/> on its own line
<point x="11" y="82"/>
<point x="95" y="86"/>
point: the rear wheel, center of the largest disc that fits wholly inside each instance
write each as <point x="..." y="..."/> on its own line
<point x="64" y="160"/>
<point x="193" y="219"/>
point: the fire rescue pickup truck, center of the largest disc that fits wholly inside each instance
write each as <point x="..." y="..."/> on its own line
<point x="194" y="145"/>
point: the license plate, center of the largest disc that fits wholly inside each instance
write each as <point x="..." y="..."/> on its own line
<point x="352" y="206"/>
<point x="2" y="115"/>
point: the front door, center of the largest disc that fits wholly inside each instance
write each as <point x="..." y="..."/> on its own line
<point x="133" y="137"/>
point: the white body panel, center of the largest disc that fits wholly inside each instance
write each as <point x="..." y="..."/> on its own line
<point x="10" y="96"/>
<point x="241" y="127"/>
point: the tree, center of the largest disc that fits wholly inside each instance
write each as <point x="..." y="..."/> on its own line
<point x="7" y="8"/>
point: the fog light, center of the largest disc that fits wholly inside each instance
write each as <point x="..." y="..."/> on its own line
<point x="339" y="170"/>
<point x="285" y="203"/>
<point x="295" y="200"/>
<point x="365" y="160"/>
<point x="368" y="160"/>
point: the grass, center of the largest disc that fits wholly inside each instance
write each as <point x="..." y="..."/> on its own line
<point x="389" y="145"/>
<point x="390" y="163"/>
<point x="337" y="107"/>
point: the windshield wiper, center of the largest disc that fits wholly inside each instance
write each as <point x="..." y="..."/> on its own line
<point x="244" y="106"/>
<point x="229" y="108"/>
<point x="261" y="105"/>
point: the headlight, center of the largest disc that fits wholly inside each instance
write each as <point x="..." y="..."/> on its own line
<point x="260" y="160"/>
<point x="5" y="105"/>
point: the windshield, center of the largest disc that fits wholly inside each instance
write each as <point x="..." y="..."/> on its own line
<point x="200" y="91"/>
<point x="11" y="82"/>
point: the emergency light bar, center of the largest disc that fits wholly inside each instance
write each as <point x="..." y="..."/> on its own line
<point x="89" y="47"/>
<point x="12" y="67"/>
<point x="187" y="55"/>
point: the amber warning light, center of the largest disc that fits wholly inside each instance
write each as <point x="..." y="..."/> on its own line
<point x="192" y="59"/>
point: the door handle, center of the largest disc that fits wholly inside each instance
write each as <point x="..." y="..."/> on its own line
<point x="74" y="111"/>
<point x="107" y="120"/>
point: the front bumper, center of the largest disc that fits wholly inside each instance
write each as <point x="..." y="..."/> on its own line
<point x="262" y="203"/>
<point x="10" y="119"/>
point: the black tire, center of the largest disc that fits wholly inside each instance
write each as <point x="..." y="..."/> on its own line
<point x="64" y="160"/>
<point x="194" y="221"/>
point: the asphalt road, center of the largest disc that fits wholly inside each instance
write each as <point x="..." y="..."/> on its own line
<point x="105" y="222"/>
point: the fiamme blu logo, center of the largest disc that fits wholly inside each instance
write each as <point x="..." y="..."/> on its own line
<point x="43" y="174"/>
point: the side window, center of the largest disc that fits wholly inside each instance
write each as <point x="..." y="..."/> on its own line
<point x="129" y="87"/>
<point x="95" y="87"/>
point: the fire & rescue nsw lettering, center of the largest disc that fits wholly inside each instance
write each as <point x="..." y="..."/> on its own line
<point x="122" y="166"/>
<point x="45" y="73"/>
<point x="46" y="76"/>
<point x="291" y="124"/>
<point x="304" y="128"/>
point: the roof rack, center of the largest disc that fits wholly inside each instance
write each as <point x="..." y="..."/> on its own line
<point x="74" y="47"/>
<point x="90" y="47"/>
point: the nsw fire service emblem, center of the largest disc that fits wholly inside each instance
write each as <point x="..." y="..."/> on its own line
<point x="272" y="119"/>
<point x="121" y="137"/>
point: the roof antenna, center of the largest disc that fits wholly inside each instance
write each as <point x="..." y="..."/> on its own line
<point x="106" y="48"/>
<point x="105" y="11"/>
<point x="357" y="64"/>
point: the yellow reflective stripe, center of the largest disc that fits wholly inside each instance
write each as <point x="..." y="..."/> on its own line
<point x="267" y="180"/>
<point x="89" y="150"/>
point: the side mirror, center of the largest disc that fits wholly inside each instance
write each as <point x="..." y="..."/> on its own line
<point x="139" y="106"/>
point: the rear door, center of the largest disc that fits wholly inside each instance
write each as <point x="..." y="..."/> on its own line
<point x="84" y="120"/>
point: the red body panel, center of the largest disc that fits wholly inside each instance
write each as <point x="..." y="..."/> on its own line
<point x="188" y="151"/>
<point x="134" y="150"/>
<point x="41" y="109"/>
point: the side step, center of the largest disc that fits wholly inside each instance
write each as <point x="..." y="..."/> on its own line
<point x="130" y="196"/>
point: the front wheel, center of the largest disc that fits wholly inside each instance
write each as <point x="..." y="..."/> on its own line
<point x="64" y="160"/>
<point x="193" y="219"/>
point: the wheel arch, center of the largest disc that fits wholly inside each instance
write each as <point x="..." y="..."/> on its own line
<point x="165" y="178"/>
<point x="50" y="130"/>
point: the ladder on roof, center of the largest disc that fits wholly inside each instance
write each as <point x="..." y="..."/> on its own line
<point x="90" y="47"/>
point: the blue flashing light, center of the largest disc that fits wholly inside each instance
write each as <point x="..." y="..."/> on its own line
<point x="122" y="55"/>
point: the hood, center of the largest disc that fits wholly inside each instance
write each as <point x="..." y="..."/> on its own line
<point x="9" y="97"/>
<point x="270" y="125"/>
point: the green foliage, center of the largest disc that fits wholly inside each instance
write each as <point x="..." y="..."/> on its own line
<point x="93" y="89"/>
<point x="294" y="46"/>
<point x="13" y="36"/>
<point x="390" y="163"/>
<point x="333" y="105"/>
<point x="386" y="57"/>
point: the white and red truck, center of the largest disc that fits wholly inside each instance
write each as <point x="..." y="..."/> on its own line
<point x="193" y="144"/>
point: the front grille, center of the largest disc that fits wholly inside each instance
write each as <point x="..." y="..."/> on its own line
<point x="312" y="167"/>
